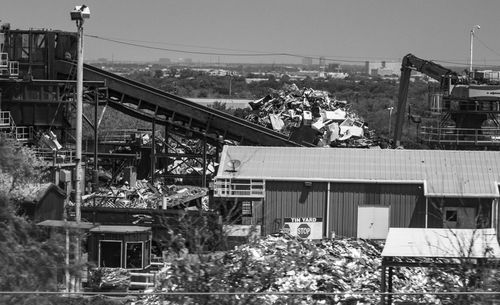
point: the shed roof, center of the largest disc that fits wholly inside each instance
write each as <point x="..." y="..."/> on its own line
<point x="441" y="243"/>
<point x="443" y="173"/>
<point x="67" y="224"/>
<point x="119" y="229"/>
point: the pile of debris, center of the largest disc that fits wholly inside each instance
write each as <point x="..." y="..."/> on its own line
<point x="284" y="264"/>
<point x="104" y="279"/>
<point x="311" y="117"/>
<point x="145" y="195"/>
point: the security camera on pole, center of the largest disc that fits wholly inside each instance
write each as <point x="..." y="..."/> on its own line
<point x="79" y="14"/>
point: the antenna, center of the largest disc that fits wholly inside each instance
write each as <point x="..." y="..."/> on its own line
<point x="233" y="165"/>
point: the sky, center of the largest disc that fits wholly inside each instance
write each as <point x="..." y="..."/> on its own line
<point x="343" y="31"/>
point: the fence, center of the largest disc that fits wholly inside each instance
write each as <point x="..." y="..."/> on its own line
<point x="268" y="297"/>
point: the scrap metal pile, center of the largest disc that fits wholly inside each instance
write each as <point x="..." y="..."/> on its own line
<point x="109" y="279"/>
<point x="311" y="117"/>
<point x="144" y="195"/>
<point x="286" y="264"/>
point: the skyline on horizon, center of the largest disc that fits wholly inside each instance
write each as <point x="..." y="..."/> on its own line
<point x="280" y="32"/>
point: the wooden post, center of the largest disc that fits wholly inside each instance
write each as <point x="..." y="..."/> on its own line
<point x="382" y="283"/>
<point x="389" y="286"/>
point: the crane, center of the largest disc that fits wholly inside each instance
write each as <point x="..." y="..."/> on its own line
<point x="468" y="100"/>
<point x="409" y="63"/>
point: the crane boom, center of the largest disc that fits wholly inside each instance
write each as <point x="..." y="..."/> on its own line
<point x="411" y="62"/>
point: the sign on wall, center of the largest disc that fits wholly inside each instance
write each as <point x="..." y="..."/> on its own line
<point x="304" y="227"/>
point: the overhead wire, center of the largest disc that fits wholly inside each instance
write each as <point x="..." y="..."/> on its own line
<point x="250" y="53"/>
<point x="247" y="54"/>
<point x="486" y="46"/>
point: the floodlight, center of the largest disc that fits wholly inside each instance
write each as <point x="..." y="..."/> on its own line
<point x="80" y="12"/>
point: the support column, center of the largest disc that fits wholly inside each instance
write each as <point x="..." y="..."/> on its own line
<point x="204" y="174"/>
<point x="382" y="283"/>
<point x="153" y="152"/>
<point x="327" y="216"/>
<point x="426" y="212"/>
<point x="166" y="161"/>
<point x="389" y="286"/>
<point x="96" y="141"/>
<point x="494" y="215"/>
<point x="78" y="158"/>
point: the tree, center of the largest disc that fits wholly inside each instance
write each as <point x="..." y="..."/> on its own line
<point x="18" y="164"/>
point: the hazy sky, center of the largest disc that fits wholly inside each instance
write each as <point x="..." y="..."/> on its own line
<point x="347" y="30"/>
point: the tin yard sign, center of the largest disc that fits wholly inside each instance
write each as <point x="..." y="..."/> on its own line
<point x="304" y="227"/>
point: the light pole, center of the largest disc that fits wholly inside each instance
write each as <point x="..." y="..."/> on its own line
<point x="477" y="26"/>
<point x="79" y="14"/>
<point x="390" y="117"/>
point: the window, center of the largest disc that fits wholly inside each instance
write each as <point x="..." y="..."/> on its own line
<point x="452" y="215"/>
<point x="134" y="255"/>
<point x="110" y="253"/>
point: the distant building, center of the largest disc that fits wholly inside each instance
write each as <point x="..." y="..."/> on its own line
<point x="333" y="68"/>
<point x="307" y="61"/>
<point x="383" y="68"/>
<point x="322" y="62"/>
<point x="337" y="75"/>
<point x="164" y="60"/>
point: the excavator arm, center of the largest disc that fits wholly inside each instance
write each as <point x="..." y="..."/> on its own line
<point x="411" y="62"/>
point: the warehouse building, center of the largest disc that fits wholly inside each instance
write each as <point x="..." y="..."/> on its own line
<point x="316" y="192"/>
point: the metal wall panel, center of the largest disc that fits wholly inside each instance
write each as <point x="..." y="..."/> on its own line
<point x="292" y="199"/>
<point x="406" y="201"/>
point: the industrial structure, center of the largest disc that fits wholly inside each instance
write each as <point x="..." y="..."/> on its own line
<point x="464" y="108"/>
<point x="38" y="101"/>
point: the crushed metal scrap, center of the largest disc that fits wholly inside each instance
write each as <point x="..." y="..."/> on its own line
<point x="311" y="117"/>
<point x="283" y="263"/>
<point x="145" y="195"/>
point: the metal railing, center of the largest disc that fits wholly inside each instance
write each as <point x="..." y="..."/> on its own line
<point x="13" y="68"/>
<point x="121" y="136"/>
<point x="460" y="136"/>
<point x="239" y="188"/>
<point x="56" y="156"/>
<point x="24" y="133"/>
<point x="5" y="118"/>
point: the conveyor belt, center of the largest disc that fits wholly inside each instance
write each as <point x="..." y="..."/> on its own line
<point x="145" y="102"/>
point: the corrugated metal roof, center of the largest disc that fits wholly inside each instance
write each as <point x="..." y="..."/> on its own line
<point x="445" y="173"/>
<point x="119" y="229"/>
<point x="445" y="243"/>
<point x="67" y="224"/>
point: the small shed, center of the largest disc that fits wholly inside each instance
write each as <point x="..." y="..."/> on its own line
<point x="127" y="247"/>
<point x="43" y="202"/>
<point x="419" y="247"/>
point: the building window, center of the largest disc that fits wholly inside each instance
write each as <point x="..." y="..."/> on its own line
<point x="110" y="253"/>
<point x="134" y="255"/>
<point x="452" y="215"/>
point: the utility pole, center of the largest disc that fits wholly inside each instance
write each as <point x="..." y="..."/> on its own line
<point x="477" y="26"/>
<point x="79" y="14"/>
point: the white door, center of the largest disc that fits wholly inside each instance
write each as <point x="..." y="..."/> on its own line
<point x="373" y="222"/>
